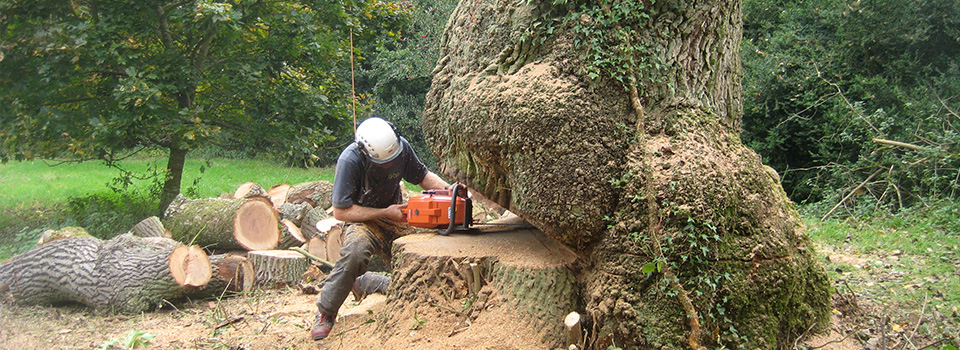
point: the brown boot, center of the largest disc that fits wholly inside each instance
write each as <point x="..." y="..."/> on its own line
<point x="322" y="325"/>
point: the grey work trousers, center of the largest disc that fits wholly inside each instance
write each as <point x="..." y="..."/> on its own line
<point x="361" y="241"/>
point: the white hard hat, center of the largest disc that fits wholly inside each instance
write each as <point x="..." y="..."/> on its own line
<point x="379" y="140"/>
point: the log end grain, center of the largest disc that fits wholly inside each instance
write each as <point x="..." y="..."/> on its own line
<point x="255" y="225"/>
<point x="190" y="266"/>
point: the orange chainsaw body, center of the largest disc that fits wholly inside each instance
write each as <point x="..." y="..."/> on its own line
<point x="431" y="209"/>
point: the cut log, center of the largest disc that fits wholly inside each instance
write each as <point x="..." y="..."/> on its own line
<point x="317" y="193"/>
<point x="309" y="224"/>
<point x="225" y="224"/>
<point x="331" y="231"/>
<point x="128" y="274"/>
<point x="318" y="247"/>
<point x="150" y="227"/>
<point x="231" y="274"/>
<point x="248" y="190"/>
<point x="574" y="333"/>
<point x="528" y="271"/>
<point x="277" y="268"/>
<point x="294" y="212"/>
<point x="290" y="235"/>
<point x="66" y="232"/>
<point x="190" y="266"/>
<point x="278" y="194"/>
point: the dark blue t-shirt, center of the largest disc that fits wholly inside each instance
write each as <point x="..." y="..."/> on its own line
<point x="362" y="182"/>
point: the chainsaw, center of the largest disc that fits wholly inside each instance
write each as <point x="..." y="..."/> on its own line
<point x="445" y="210"/>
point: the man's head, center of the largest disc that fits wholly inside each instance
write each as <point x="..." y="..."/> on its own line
<point x="379" y="140"/>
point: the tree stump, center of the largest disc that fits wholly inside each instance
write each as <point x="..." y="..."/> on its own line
<point x="275" y="268"/>
<point x="226" y="224"/>
<point x="128" y="274"/>
<point x="231" y="273"/>
<point x="529" y="271"/>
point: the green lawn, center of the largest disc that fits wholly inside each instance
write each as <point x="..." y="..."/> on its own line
<point x="46" y="181"/>
<point x="42" y="195"/>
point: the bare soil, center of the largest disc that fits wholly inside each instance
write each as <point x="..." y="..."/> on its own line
<point x="281" y="319"/>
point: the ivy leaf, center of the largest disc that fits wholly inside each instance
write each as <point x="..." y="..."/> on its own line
<point x="649" y="267"/>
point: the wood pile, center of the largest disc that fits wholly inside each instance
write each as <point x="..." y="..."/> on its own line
<point x="250" y="232"/>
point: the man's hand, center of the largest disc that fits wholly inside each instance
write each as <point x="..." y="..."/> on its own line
<point x="394" y="213"/>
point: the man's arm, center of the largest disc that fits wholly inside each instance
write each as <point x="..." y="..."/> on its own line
<point x="357" y="213"/>
<point x="432" y="181"/>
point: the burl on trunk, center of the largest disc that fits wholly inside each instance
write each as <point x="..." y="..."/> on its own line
<point x="613" y="127"/>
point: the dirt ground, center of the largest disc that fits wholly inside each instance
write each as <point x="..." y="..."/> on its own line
<point x="281" y="319"/>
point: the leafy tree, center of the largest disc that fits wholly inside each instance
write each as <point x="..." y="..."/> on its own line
<point x="396" y="76"/>
<point x="101" y="79"/>
<point x="826" y="81"/>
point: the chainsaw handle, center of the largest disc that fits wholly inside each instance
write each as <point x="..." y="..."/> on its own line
<point x="452" y="211"/>
<point x="406" y="216"/>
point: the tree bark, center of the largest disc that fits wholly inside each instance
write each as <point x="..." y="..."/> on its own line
<point x="174" y="175"/>
<point x="317" y="193"/>
<point x="150" y="227"/>
<point x="277" y="268"/>
<point x="638" y="166"/>
<point x="127" y="273"/>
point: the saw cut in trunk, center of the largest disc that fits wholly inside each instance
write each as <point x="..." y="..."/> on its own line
<point x="225" y="224"/>
<point x="127" y="274"/>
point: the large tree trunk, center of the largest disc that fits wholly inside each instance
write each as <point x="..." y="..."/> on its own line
<point x="127" y="273"/>
<point x="626" y="147"/>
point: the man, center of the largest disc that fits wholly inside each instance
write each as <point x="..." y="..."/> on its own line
<point x="366" y="195"/>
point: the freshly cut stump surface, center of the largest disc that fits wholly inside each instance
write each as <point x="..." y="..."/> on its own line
<point x="520" y="270"/>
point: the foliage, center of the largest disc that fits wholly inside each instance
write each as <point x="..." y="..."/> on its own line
<point x="102" y="79"/>
<point x="824" y="79"/>
<point x="135" y="339"/>
<point x="394" y="79"/>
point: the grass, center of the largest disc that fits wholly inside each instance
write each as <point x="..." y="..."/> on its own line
<point x="44" y="195"/>
<point x="44" y="181"/>
<point x="905" y="266"/>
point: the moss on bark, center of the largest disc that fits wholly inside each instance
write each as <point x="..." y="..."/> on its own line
<point x="663" y="180"/>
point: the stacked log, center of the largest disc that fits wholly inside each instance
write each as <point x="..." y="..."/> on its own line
<point x="128" y="274"/>
<point x="317" y="193"/>
<point x="66" y="232"/>
<point x="277" y="268"/>
<point x="227" y="224"/>
<point x="231" y="274"/>
<point x="150" y="227"/>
